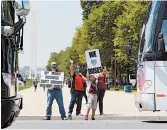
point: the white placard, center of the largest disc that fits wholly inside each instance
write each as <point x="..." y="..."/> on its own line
<point x="93" y="61"/>
<point x="52" y="79"/>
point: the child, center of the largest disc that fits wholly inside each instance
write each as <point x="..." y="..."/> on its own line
<point x="92" y="98"/>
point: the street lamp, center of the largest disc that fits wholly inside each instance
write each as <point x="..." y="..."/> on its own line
<point x="128" y="53"/>
<point x="115" y="68"/>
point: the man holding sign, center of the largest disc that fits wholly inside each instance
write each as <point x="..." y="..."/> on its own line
<point x="54" y="93"/>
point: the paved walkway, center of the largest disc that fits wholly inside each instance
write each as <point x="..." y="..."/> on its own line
<point x="116" y="103"/>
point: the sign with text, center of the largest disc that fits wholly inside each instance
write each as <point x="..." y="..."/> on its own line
<point x="52" y="79"/>
<point x="93" y="61"/>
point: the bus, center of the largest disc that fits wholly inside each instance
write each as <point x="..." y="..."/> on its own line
<point x="11" y="45"/>
<point x="152" y="60"/>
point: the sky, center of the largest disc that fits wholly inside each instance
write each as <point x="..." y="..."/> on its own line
<point x="56" y="22"/>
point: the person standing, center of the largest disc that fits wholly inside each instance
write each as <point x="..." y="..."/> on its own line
<point x="35" y="82"/>
<point x="55" y="93"/>
<point x="77" y="90"/>
<point x="101" y="88"/>
<point x="92" y="98"/>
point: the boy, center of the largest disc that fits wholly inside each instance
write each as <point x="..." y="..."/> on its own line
<point x="92" y="98"/>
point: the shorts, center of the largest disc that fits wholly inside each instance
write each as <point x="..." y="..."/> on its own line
<point x="92" y="101"/>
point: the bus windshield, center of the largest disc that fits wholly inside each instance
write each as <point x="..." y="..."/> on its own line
<point x="148" y="34"/>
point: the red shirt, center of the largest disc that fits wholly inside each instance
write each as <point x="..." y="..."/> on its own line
<point x="93" y="88"/>
<point x="79" y="85"/>
<point x="101" y="80"/>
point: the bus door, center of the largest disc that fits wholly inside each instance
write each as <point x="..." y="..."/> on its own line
<point x="161" y="70"/>
<point x="161" y="85"/>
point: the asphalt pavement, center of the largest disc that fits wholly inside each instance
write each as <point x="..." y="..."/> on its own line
<point x="82" y="124"/>
<point x="119" y="108"/>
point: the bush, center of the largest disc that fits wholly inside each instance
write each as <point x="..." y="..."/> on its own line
<point x="28" y="84"/>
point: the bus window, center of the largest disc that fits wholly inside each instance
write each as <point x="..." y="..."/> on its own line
<point x="7" y="53"/>
<point x="164" y="31"/>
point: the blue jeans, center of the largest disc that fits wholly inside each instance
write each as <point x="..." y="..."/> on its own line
<point x="76" y="95"/>
<point x="55" y="94"/>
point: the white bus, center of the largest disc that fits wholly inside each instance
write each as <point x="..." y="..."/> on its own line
<point x="152" y="60"/>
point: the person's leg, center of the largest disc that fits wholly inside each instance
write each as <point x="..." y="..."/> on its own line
<point x="76" y="101"/>
<point x="93" y="114"/>
<point x="94" y="106"/>
<point x="79" y="103"/>
<point x="87" y="114"/>
<point x="98" y="98"/>
<point x="85" y="96"/>
<point x="50" y="98"/>
<point x="35" y="87"/>
<point x="101" y="96"/>
<point x="72" y="102"/>
<point x="59" y="98"/>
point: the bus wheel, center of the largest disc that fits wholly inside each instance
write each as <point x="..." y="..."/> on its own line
<point x="9" y="122"/>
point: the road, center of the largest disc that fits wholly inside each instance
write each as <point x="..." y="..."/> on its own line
<point x="120" y="112"/>
<point x="115" y="103"/>
<point x="82" y="124"/>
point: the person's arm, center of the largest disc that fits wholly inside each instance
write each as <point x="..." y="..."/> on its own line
<point x="106" y="74"/>
<point x="85" y="79"/>
<point x="71" y="68"/>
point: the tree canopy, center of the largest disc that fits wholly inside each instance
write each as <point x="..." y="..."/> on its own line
<point x="107" y="26"/>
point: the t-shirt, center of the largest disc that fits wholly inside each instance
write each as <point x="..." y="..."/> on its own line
<point x="101" y="80"/>
<point x="92" y="87"/>
<point x="78" y="82"/>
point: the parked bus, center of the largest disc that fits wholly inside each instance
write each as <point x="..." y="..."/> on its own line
<point x="152" y="60"/>
<point x="11" y="44"/>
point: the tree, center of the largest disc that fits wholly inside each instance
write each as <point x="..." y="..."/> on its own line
<point x="88" y="6"/>
<point x="100" y="29"/>
<point x="128" y="28"/>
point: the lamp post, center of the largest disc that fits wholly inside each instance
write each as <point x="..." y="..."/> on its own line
<point x="128" y="53"/>
<point x="115" y="68"/>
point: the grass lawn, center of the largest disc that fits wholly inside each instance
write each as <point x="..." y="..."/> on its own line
<point x="27" y="85"/>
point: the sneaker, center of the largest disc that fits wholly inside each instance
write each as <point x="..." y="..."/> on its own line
<point x="64" y="118"/>
<point x="86" y="117"/>
<point x="47" y="118"/>
<point x="69" y="116"/>
<point x="93" y="118"/>
<point x="102" y="114"/>
<point x="79" y="114"/>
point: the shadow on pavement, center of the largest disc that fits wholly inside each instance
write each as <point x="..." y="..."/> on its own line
<point x="159" y="122"/>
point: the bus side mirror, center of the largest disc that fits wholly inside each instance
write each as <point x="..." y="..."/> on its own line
<point x="161" y="43"/>
<point x="22" y="7"/>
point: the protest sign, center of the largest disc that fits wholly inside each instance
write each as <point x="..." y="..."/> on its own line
<point x="93" y="61"/>
<point x="52" y="79"/>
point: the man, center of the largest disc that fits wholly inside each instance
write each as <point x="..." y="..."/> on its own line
<point x="55" y="93"/>
<point x="76" y="90"/>
<point x="35" y="82"/>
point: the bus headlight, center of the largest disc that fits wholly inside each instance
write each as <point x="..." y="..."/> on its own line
<point x="147" y="84"/>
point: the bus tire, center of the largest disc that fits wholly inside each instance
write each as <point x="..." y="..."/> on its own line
<point x="8" y="122"/>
